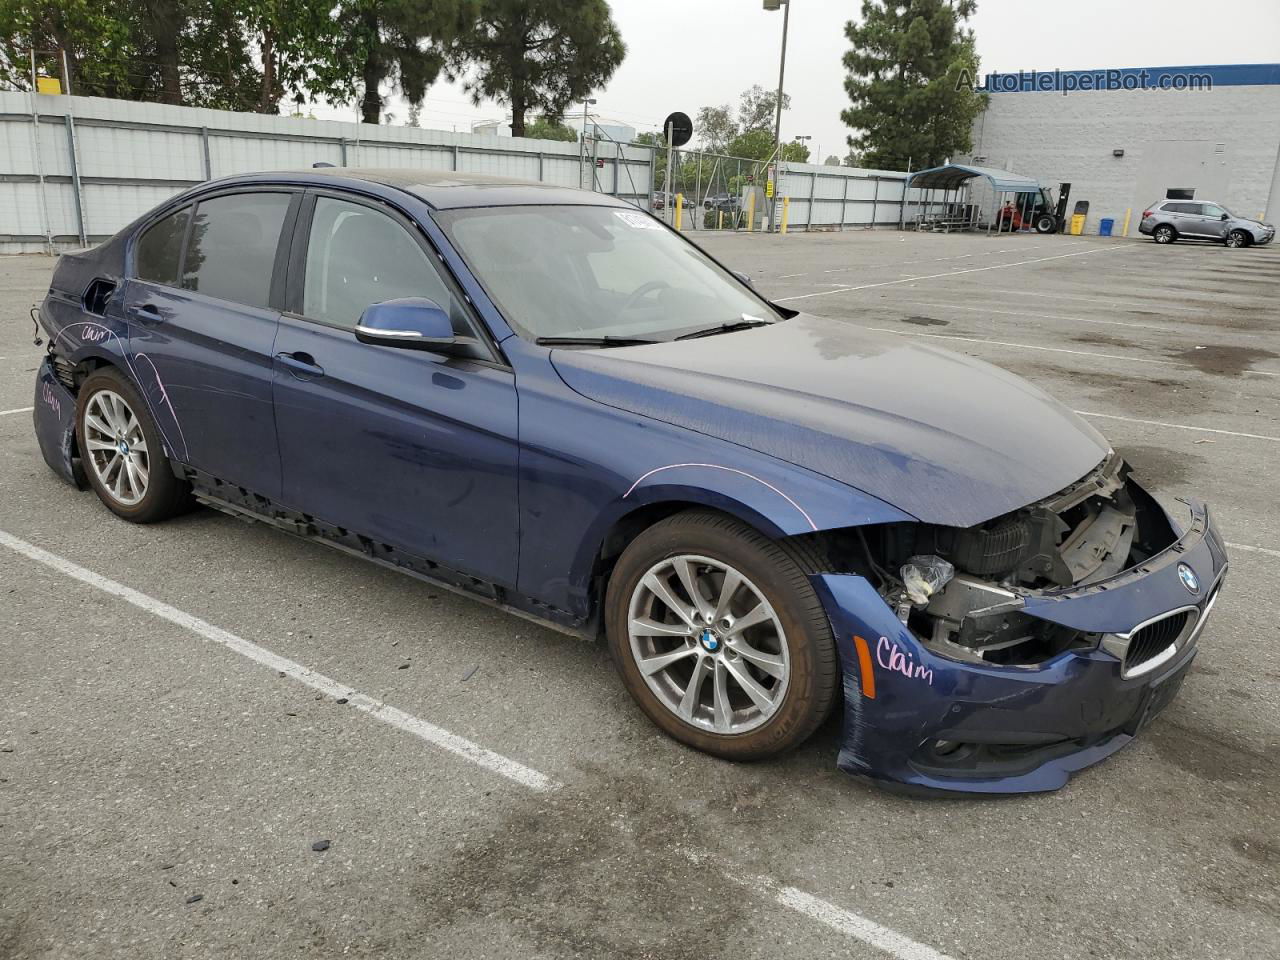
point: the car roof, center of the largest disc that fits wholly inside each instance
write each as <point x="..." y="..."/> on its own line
<point x="440" y="189"/>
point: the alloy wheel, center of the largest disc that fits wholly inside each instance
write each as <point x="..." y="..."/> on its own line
<point x="116" y="447"/>
<point x="708" y="644"/>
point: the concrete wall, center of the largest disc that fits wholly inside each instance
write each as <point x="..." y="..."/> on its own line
<point x="105" y="162"/>
<point x="1224" y="142"/>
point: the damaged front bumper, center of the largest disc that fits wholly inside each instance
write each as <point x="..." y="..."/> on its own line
<point x="915" y="718"/>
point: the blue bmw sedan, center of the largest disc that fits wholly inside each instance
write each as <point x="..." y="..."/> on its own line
<point x="548" y="400"/>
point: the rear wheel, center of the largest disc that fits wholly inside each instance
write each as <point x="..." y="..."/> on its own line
<point x="720" y="638"/>
<point x="1164" y="234"/>
<point x="1237" y="238"/>
<point x="123" y="452"/>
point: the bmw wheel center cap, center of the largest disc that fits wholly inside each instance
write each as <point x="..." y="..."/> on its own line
<point x="709" y="641"/>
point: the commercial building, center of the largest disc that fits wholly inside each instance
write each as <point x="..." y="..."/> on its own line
<point x="1126" y="138"/>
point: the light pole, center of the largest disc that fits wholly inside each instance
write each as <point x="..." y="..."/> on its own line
<point x="777" y="122"/>
<point x="582" y="143"/>
<point x="801" y="139"/>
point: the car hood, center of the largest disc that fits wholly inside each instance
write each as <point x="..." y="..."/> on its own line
<point x="943" y="437"/>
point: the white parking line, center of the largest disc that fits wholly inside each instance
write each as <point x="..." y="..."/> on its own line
<point x="844" y="921"/>
<point x="954" y="273"/>
<point x="429" y="732"/>
<point x="5" y="413"/>
<point x="1178" y="426"/>
<point x="1251" y="549"/>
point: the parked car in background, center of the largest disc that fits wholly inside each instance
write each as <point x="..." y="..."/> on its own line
<point x="551" y="401"/>
<point x="723" y="201"/>
<point x="1171" y="220"/>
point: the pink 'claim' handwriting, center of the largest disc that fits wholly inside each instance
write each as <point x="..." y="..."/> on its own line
<point x="892" y="657"/>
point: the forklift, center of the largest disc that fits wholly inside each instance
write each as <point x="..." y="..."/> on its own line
<point x="1038" y="210"/>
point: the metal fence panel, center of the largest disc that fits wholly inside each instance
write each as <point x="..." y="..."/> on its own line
<point x="130" y="156"/>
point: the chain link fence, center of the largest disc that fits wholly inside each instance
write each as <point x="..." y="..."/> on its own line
<point x="711" y="191"/>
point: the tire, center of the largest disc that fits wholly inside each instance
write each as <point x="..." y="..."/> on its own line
<point x="792" y="659"/>
<point x="1164" y="234"/>
<point x="133" y="480"/>
<point x="1046" y="223"/>
<point x="1237" y="238"/>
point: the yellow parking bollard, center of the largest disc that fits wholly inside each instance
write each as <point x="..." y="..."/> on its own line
<point x="1124" y="232"/>
<point x="679" y="224"/>
<point x="720" y="221"/>
<point x="751" y="211"/>
<point x="786" y="210"/>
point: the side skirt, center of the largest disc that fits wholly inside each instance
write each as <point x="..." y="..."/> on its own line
<point x="246" y="505"/>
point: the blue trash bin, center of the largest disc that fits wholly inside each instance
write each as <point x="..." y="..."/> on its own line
<point x="1104" y="227"/>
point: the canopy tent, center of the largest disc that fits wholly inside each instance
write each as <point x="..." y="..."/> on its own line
<point x="953" y="175"/>
<point x="940" y="205"/>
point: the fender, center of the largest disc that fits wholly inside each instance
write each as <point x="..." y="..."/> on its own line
<point x="106" y="339"/>
<point x="577" y="488"/>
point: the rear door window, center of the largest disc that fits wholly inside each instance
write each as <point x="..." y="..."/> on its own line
<point x="159" y="249"/>
<point x="232" y="251"/>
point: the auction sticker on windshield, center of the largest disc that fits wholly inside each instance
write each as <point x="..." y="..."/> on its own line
<point x="637" y="221"/>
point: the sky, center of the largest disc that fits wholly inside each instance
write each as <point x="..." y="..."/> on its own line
<point x="686" y="54"/>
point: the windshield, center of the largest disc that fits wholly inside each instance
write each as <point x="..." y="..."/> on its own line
<point x="595" y="272"/>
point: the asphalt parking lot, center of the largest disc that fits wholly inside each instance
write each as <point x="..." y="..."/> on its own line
<point x="172" y="724"/>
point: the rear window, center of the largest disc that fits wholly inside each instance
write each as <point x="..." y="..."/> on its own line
<point x="160" y="248"/>
<point x="232" y="251"/>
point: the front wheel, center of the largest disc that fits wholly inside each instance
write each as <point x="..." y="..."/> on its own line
<point x="1046" y="223"/>
<point x="720" y="637"/>
<point x="123" y="452"/>
<point x="1237" y="238"/>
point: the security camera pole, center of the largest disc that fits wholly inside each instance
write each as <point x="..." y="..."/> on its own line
<point x="777" y="123"/>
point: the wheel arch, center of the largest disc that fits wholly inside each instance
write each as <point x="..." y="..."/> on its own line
<point x="732" y="493"/>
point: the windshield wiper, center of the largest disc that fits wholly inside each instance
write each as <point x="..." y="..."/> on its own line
<point x="743" y="324"/>
<point x="592" y="341"/>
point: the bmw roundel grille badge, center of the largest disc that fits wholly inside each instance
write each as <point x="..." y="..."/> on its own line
<point x="1188" y="578"/>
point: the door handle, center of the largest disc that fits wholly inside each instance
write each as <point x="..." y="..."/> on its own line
<point x="301" y="365"/>
<point x="146" y="313"/>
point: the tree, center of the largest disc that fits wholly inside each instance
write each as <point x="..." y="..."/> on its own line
<point x="537" y="54"/>
<point x="904" y="80"/>
<point x="544" y="128"/>
<point x="720" y="131"/>
<point x="230" y="54"/>
<point x="758" y="107"/>
<point x="831" y="161"/>
<point x="296" y="40"/>
<point x="400" y="42"/>
<point x="716" y="127"/>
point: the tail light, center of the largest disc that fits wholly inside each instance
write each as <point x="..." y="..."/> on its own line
<point x="1145" y="214"/>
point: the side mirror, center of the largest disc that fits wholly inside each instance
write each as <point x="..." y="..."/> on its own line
<point x="415" y="323"/>
<point x="1226" y="216"/>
